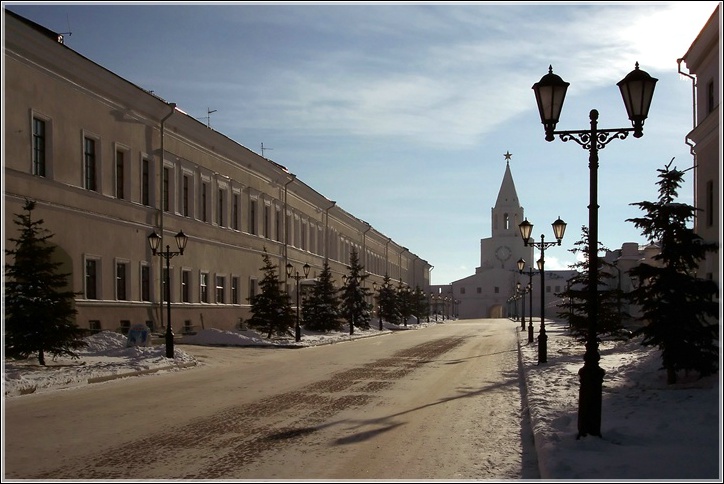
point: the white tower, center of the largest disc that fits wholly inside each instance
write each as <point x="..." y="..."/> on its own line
<point x="503" y="249"/>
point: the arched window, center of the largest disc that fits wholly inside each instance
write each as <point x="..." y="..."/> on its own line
<point x="506" y="221"/>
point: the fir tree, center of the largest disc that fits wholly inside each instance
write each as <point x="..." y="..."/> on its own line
<point x="271" y="308"/>
<point x="678" y="308"/>
<point x="404" y="302"/>
<point x="320" y="310"/>
<point x="420" y="307"/>
<point x="388" y="302"/>
<point x="354" y="307"/>
<point x="39" y="309"/>
<point x="575" y="307"/>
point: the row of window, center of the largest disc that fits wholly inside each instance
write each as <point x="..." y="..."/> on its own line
<point x="221" y="289"/>
<point x="40" y="167"/>
<point x="497" y="290"/>
<point x="95" y="326"/>
<point x="220" y="198"/>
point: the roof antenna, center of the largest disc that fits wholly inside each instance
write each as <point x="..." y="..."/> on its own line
<point x="61" y="34"/>
<point x="262" y="149"/>
<point x="208" y="116"/>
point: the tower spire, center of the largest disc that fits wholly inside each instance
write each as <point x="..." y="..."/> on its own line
<point x="507" y="155"/>
<point x="507" y="196"/>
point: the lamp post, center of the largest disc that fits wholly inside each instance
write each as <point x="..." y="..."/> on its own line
<point x="521" y="266"/>
<point x="637" y="91"/>
<point x="429" y="308"/>
<point x="353" y="280"/>
<point x="405" y="298"/>
<point x="570" y="305"/>
<point x="618" y="293"/>
<point x="522" y="293"/>
<point x="379" y="306"/>
<point x="297" y="276"/>
<point x="154" y="240"/>
<point x="559" y="228"/>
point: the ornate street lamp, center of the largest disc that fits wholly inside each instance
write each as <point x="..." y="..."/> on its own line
<point x="637" y="91"/>
<point x="428" y="307"/>
<point x="521" y="266"/>
<point x="297" y="276"/>
<point x="353" y="280"/>
<point x="559" y="228"/>
<point x="433" y="303"/>
<point x="522" y="291"/>
<point x="379" y="306"/>
<point x="154" y="241"/>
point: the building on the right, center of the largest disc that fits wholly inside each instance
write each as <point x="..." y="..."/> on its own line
<point x="618" y="264"/>
<point x="703" y="64"/>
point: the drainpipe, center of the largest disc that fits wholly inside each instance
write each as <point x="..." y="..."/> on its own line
<point x="284" y="221"/>
<point x="693" y="122"/>
<point x="404" y="249"/>
<point x="364" y="246"/>
<point x="326" y="231"/>
<point x="414" y="270"/>
<point x="364" y="243"/>
<point x="693" y="94"/>
<point x="161" y="211"/>
<point x="387" y="258"/>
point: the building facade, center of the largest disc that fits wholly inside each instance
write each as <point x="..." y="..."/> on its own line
<point x="703" y="61"/>
<point x="618" y="263"/>
<point x="109" y="163"/>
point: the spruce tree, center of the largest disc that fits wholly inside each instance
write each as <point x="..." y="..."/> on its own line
<point x="387" y="300"/>
<point x="574" y="306"/>
<point x="320" y="310"/>
<point x="271" y="308"/>
<point x="39" y="307"/>
<point x="420" y="307"/>
<point x="404" y="302"/>
<point x="678" y="308"/>
<point x="354" y="307"/>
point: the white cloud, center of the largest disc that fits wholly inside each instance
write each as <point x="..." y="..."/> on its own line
<point x="448" y="89"/>
<point x="554" y="263"/>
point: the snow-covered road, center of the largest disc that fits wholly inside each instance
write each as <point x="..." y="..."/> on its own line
<point x="444" y="403"/>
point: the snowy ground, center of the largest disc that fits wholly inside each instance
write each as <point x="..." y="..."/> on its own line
<point x="651" y="430"/>
<point x="107" y="356"/>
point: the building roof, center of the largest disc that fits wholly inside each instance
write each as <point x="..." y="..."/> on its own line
<point x="507" y="196"/>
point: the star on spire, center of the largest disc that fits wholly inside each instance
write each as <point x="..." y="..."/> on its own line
<point x="507" y="156"/>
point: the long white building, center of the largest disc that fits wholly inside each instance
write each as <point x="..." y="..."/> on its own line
<point x="109" y="163"/>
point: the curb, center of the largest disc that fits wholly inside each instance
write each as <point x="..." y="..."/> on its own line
<point x="100" y="379"/>
<point x="542" y="469"/>
<point x="333" y="341"/>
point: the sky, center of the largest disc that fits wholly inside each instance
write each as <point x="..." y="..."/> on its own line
<point x="414" y="105"/>
<point x="650" y="430"/>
